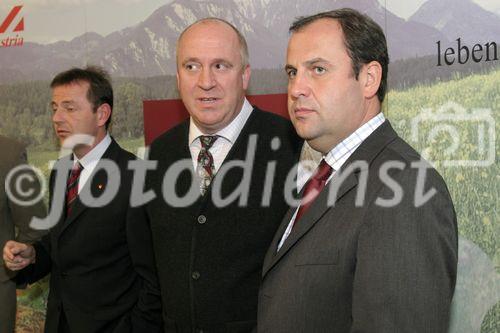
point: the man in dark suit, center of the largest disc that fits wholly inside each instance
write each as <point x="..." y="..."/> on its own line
<point x="365" y="250"/>
<point x="99" y="252"/>
<point x="213" y="216"/>
<point x="15" y="213"/>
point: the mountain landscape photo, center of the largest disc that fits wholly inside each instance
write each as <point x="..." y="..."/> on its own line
<point x="148" y="48"/>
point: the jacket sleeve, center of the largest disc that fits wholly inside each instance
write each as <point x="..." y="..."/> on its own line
<point x="22" y="214"/>
<point x="406" y="262"/>
<point x="146" y="315"/>
<point x="41" y="267"/>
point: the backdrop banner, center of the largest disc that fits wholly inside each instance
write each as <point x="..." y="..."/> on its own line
<point x="443" y="97"/>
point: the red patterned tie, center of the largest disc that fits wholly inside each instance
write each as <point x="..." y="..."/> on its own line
<point x="313" y="187"/>
<point x="206" y="168"/>
<point x="72" y="186"/>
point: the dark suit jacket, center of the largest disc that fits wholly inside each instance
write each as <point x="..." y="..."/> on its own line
<point x="365" y="268"/>
<point x="13" y="215"/>
<point x="14" y="221"/>
<point x="101" y="261"/>
<point x="210" y="258"/>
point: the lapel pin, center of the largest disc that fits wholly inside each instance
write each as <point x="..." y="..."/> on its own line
<point x="100" y="186"/>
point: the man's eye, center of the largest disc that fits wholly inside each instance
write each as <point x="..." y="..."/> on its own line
<point x="191" y="67"/>
<point x="291" y="73"/>
<point x="221" y="66"/>
<point x="319" y="70"/>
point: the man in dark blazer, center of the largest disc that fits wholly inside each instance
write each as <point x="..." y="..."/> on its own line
<point x="16" y="213"/>
<point x="213" y="220"/>
<point x="99" y="252"/>
<point x="372" y="245"/>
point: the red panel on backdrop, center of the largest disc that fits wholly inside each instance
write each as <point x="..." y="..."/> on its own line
<point x="162" y="115"/>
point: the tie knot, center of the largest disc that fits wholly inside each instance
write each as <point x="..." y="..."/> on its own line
<point x="207" y="141"/>
<point x="323" y="171"/>
<point x="77" y="168"/>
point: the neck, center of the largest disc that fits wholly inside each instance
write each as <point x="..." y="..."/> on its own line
<point x="81" y="150"/>
<point x="327" y="143"/>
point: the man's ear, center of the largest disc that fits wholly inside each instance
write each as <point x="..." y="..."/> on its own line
<point x="371" y="75"/>
<point x="103" y="114"/>
<point x="246" y="76"/>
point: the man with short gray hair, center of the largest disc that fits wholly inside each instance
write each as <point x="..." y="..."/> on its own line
<point x="210" y="249"/>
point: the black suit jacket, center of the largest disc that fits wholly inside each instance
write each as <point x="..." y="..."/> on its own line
<point x="210" y="258"/>
<point x="101" y="261"/>
<point x="365" y="268"/>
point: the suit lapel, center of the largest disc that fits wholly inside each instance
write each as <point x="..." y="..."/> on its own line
<point x="318" y="208"/>
<point x="271" y="252"/>
<point x="98" y="177"/>
<point x="367" y="151"/>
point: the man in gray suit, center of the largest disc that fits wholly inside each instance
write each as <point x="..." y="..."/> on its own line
<point x="372" y="245"/>
<point x="14" y="215"/>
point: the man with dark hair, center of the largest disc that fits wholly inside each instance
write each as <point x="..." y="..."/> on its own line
<point x="15" y="217"/>
<point x="372" y="244"/>
<point x="99" y="92"/>
<point x="99" y="254"/>
<point x="210" y="250"/>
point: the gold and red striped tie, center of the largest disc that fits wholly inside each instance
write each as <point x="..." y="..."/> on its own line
<point x="72" y="186"/>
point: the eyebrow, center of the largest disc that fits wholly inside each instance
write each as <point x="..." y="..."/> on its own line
<point x="190" y="60"/>
<point x="217" y="60"/>
<point x="63" y="103"/>
<point x="309" y="63"/>
<point x="315" y="61"/>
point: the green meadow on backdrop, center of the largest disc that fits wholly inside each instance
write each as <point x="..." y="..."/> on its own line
<point x="475" y="190"/>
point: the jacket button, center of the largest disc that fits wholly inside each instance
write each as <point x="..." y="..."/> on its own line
<point x="202" y="219"/>
<point x="195" y="275"/>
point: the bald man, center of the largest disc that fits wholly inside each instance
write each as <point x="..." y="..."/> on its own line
<point x="209" y="248"/>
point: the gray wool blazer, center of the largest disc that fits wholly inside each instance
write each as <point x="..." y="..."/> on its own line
<point x="365" y="268"/>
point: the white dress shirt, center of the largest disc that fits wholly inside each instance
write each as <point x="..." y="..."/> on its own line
<point x="337" y="157"/>
<point x="226" y="140"/>
<point x="90" y="160"/>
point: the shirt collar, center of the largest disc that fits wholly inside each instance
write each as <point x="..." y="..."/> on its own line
<point x="341" y="152"/>
<point x="92" y="157"/>
<point x="231" y="131"/>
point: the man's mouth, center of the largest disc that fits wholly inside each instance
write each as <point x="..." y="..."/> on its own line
<point x="208" y="99"/>
<point x="302" y="111"/>
<point x="61" y="132"/>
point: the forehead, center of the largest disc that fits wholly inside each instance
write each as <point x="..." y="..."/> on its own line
<point x="321" y="37"/>
<point x="208" y="38"/>
<point x="74" y="90"/>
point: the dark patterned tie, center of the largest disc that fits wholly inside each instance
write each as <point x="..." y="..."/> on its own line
<point x="206" y="168"/>
<point x="313" y="187"/>
<point x="72" y="186"/>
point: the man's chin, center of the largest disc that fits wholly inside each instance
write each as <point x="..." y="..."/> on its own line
<point x="61" y="139"/>
<point x="76" y="140"/>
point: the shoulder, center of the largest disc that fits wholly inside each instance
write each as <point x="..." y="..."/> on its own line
<point x="121" y="156"/>
<point x="409" y="165"/>
<point x="176" y="135"/>
<point x="12" y="151"/>
<point x="271" y="125"/>
<point x="270" y="119"/>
